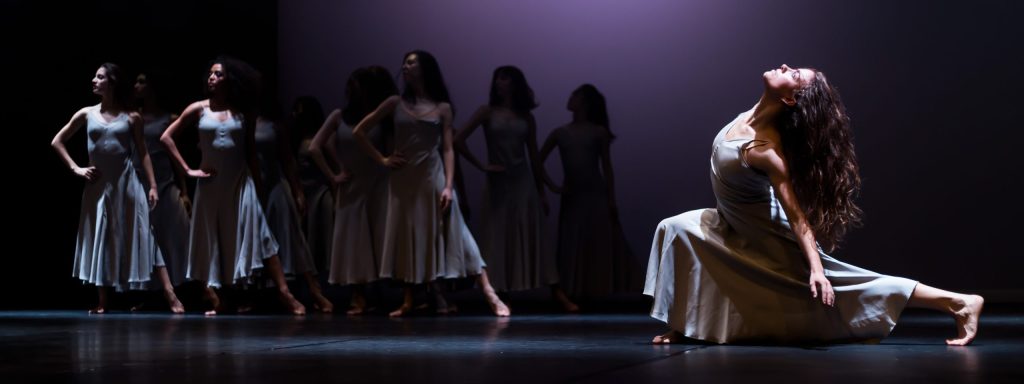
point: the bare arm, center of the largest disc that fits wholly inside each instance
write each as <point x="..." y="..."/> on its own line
<point x="188" y="118"/>
<point x="65" y="133"/>
<point x="321" y="140"/>
<point x="449" y="155"/>
<point x="767" y="158"/>
<point x="179" y="172"/>
<point x="371" y="120"/>
<point x="549" y="145"/>
<point x="135" y="123"/>
<point x="479" y="117"/>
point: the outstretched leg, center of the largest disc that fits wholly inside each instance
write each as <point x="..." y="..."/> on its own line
<point x="965" y="309"/>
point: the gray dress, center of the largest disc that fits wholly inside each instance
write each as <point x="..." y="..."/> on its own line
<point x="115" y="245"/>
<point x="737" y="273"/>
<point x="318" y="222"/>
<point x="279" y="204"/>
<point x="594" y="259"/>
<point x="229" y="236"/>
<point x="511" y="229"/>
<point x="360" y="212"/>
<point x="421" y="242"/>
<point x="169" y="219"/>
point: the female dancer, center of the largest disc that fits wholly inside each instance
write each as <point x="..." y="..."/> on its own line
<point x="115" y="246"/>
<point x="785" y="175"/>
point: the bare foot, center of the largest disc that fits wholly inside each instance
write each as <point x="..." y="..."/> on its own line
<point x="401" y="311"/>
<point x="322" y="304"/>
<point x="243" y="309"/>
<point x="357" y="305"/>
<point x="669" y="337"/>
<point x="210" y="313"/>
<point x="497" y="306"/>
<point x="99" y="310"/>
<point x="293" y="305"/>
<point x="563" y="299"/>
<point x="568" y="305"/>
<point x="173" y="302"/>
<point x="215" y="305"/>
<point x="137" y="307"/>
<point x="967" y="320"/>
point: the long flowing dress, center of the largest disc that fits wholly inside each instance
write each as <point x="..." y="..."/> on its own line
<point x="511" y="227"/>
<point x="736" y="272"/>
<point x="360" y="212"/>
<point x="422" y="243"/>
<point x="115" y="245"/>
<point x="169" y="218"/>
<point x="594" y="259"/>
<point x="279" y="204"/>
<point x="229" y="236"/>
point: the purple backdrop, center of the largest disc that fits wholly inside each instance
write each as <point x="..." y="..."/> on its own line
<point x="931" y="89"/>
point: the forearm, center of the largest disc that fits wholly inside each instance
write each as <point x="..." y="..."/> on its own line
<point x="449" y="168"/>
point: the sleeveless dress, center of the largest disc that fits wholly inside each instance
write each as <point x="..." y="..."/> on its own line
<point x="279" y="204"/>
<point x="594" y="259"/>
<point x="421" y="242"/>
<point x="169" y="219"/>
<point x="229" y="235"/>
<point x="737" y="273"/>
<point x="512" y="219"/>
<point x="115" y="245"/>
<point x="360" y="212"/>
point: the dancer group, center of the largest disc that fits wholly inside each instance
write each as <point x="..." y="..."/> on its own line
<point x="385" y="205"/>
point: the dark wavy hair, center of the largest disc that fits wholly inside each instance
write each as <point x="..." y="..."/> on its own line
<point x="366" y="89"/>
<point x="119" y="85"/>
<point x="522" y="95"/>
<point x="433" y="81"/>
<point x="818" y="145"/>
<point x="595" y="106"/>
<point x="244" y="84"/>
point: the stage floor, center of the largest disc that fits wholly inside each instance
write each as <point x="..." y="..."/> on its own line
<point x="155" y="347"/>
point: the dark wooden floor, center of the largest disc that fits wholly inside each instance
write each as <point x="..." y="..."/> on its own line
<point x="469" y="348"/>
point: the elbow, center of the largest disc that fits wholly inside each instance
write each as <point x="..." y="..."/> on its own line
<point x="166" y="140"/>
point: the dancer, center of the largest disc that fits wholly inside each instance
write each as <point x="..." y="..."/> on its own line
<point x="594" y="259"/>
<point x="230" y="241"/>
<point x="514" y="203"/>
<point x="785" y="177"/>
<point x="425" y="237"/>
<point x="115" y="246"/>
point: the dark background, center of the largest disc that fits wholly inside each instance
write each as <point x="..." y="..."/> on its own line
<point x="933" y="88"/>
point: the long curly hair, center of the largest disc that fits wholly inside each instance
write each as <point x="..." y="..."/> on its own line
<point x="244" y="84"/>
<point x="818" y="146"/>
